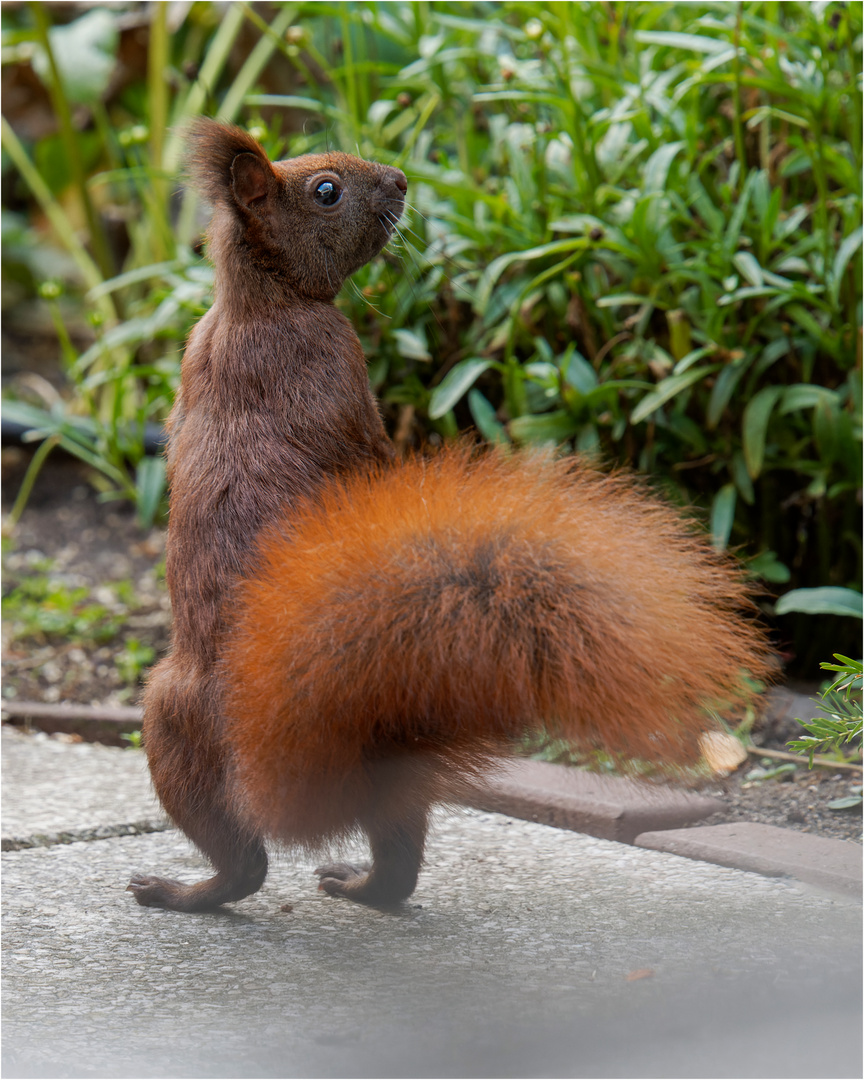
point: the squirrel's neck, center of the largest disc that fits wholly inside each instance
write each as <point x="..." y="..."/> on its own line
<point x="250" y="278"/>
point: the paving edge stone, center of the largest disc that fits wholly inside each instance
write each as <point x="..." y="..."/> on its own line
<point x="608" y="807"/>
<point x="767" y="849"/>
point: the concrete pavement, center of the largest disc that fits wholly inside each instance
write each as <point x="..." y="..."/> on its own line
<point x="526" y="951"/>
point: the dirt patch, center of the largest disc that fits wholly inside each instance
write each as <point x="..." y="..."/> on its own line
<point x="797" y="799"/>
<point x="86" y="611"/>
<point x="119" y="623"/>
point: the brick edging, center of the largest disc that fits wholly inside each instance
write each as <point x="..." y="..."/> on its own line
<point x="654" y="817"/>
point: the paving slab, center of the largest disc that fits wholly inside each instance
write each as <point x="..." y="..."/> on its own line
<point x="526" y="951"/>
<point x="608" y="807"/>
<point x="766" y="849"/>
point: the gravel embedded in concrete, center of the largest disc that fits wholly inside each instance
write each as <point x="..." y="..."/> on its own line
<point x="525" y="951"/>
<point x="55" y="787"/>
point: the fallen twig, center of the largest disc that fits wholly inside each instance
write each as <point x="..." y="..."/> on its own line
<point x="825" y="763"/>
<point x="41" y="710"/>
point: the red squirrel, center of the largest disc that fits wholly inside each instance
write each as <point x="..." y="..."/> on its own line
<point x="355" y="637"/>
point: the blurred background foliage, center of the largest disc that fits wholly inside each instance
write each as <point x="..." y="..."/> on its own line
<point x="634" y="231"/>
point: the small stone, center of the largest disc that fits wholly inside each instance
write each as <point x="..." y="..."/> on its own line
<point x="51" y="672"/>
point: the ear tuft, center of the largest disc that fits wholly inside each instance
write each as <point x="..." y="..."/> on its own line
<point x="212" y="151"/>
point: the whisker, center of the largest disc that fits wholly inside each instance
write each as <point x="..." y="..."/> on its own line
<point x="365" y="299"/>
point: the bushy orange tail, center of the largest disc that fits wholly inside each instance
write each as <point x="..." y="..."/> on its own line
<point x="437" y="610"/>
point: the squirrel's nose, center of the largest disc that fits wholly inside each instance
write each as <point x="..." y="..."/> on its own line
<point x="400" y="180"/>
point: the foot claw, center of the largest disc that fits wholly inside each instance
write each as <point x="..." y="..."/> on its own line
<point x="343" y="871"/>
<point x="153" y="891"/>
<point x="342" y="879"/>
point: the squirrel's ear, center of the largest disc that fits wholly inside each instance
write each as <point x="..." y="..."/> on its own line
<point x="226" y="164"/>
<point x="251" y="179"/>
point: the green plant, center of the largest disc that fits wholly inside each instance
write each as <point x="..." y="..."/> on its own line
<point x="634" y="231"/>
<point x="842" y="723"/>
<point x="123" y="168"/>
<point x="42" y="607"/>
<point x="826" y="600"/>
<point x="613" y="262"/>
<point x="768" y="770"/>
<point x="133" y="659"/>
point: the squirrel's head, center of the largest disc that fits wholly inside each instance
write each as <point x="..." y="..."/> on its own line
<point x="306" y="223"/>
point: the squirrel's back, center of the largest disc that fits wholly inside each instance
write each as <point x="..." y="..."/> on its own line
<point x="438" y="610"/>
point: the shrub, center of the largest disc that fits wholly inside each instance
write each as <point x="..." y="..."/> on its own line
<point x="634" y="231"/>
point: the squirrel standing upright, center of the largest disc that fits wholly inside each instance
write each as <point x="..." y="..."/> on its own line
<point x="355" y="636"/>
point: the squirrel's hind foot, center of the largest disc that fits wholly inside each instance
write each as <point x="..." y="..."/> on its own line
<point x="159" y="892"/>
<point x="358" y="882"/>
<point x="222" y="888"/>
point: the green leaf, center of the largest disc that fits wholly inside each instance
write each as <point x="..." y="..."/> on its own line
<point x="41" y="422"/>
<point x="657" y="167"/>
<point x="690" y="358"/>
<point x="588" y="440"/>
<point x="84" y="51"/>
<point x="579" y="374"/>
<point x="552" y="427"/>
<point x="132" y="277"/>
<point x="680" y="340"/>
<point x="856" y="666"/>
<point x="623" y="298"/>
<point x="291" y="101"/>
<point x="723" y="515"/>
<point x="754" y="424"/>
<point x="411" y="345"/>
<point x="149" y="488"/>
<point x="743" y="483"/>
<point x="497" y="267"/>
<point x="806" y="396"/>
<point x="846" y="803"/>
<point x="690" y="42"/>
<point x="455" y="384"/>
<point x="827" y="432"/>
<point x="667" y="389"/>
<point x="488" y="424"/>
<point x="736" y="220"/>
<point x="721" y="392"/>
<point x="826" y="600"/>
<point x="805" y="319"/>
<point x="766" y="565"/>
<point x="749" y="268"/>
<point x="748" y="292"/>
<point x="844" y="253"/>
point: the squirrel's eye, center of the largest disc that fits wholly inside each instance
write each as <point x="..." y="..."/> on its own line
<point x="327" y="193"/>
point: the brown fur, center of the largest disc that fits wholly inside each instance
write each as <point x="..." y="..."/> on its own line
<point x="353" y="637"/>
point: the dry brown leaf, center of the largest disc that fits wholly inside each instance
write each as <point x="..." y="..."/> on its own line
<point x="722" y="752"/>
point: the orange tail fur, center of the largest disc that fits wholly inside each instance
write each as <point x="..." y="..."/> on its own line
<point x="434" y="611"/>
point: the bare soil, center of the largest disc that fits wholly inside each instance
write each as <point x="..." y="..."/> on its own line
<point x="69" y="537"/>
